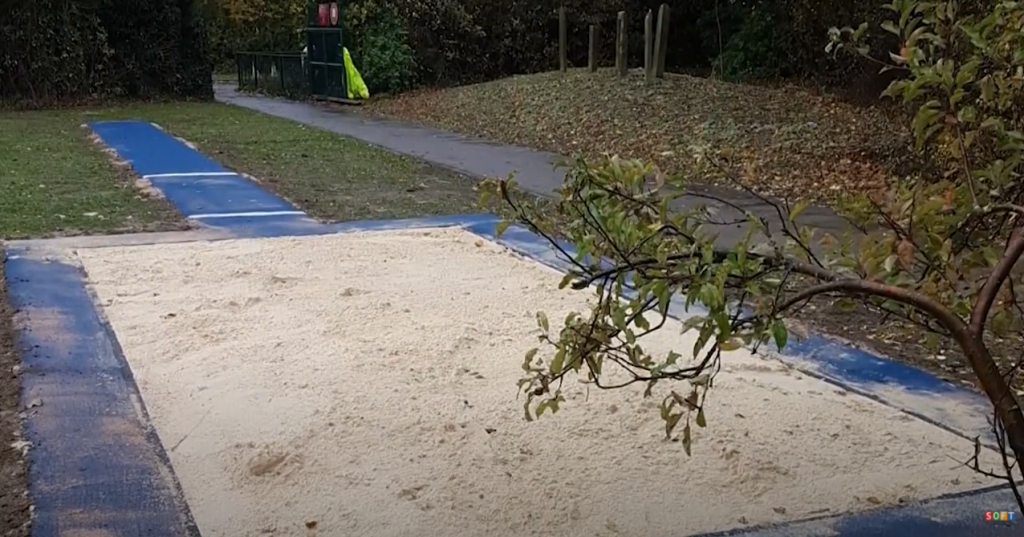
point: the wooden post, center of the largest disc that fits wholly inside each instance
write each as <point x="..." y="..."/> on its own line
<point x="648" y="44"/>
<point x="592" y="51"/>
<point x="661" y="47"/>
<point x="562" y="38"/>
<point x="620" y="45"/>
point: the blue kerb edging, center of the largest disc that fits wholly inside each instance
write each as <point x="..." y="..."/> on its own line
<point x="97" y="463"/>
<point x="96" y="466"/>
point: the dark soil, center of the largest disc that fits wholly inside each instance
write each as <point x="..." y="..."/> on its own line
<point x="14" y="500"/>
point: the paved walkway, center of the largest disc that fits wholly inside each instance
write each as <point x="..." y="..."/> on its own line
<point x="479" y="158"/>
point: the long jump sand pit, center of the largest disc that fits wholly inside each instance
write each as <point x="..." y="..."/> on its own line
<point x="364" y="385"/>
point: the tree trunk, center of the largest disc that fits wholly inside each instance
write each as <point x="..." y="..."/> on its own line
<point x="1007" y="409"/>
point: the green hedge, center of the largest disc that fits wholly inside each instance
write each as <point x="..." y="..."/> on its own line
<point x="62" y="51"/>
<point x="462" y="41"/>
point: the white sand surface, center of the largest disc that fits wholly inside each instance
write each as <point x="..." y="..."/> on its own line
<point x="364" y="385"/>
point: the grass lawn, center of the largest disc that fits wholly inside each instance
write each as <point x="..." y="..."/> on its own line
<point x="54" y="181"/>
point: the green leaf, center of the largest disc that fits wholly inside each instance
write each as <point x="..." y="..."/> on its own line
<point x="701" y="420"/>
<point x="619" y="318"/>
<point x="730" y="344"/>
<point x="687" y="441"/>
<point x="890" y="27"/>
<point x="557" y="363"/>
<point x="670" y="423"/>
<point x="542" y="321"/>
<point x="501" y="227"/>
<point x="543" y="406"/>
<point x="890" y="263"/>
<point x="780" y="334"/>
<point x="692" y="322"/>
<point x="797" y="209"/>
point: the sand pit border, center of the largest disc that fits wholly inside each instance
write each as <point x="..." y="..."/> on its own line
<point x="36" y="268"/>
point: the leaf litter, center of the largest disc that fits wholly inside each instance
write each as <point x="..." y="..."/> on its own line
<point x="794" y="144"/>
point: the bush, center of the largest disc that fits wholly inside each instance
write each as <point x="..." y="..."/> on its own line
<point x="754" y="51"/>
<point x="53" y="51"/>
<point x="380" y="48"/>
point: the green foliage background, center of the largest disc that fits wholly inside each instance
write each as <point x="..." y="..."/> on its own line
<point x="465" y="41"/>
<point x="66" y="50"/>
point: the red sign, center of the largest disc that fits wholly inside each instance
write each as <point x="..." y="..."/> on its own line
<point x="334" y="14"/>
<point x="323" y="15"/>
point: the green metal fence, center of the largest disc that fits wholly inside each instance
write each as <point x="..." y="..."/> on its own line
<point x="275" y="73"/>
<point x="325" y="63"/>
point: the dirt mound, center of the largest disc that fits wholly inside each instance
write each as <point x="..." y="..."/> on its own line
<point x="791" y="142"/>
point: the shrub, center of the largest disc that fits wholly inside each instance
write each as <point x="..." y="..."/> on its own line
<point x="52" y="52"/>
<point x="754" y="51"/>
<point x="381" y="50"/>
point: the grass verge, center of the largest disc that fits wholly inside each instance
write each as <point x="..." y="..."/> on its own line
<point x="54" y="181"/>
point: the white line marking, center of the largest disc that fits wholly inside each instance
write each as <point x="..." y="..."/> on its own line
<point x="188" y="174"/>
<point x="250" y="215"/>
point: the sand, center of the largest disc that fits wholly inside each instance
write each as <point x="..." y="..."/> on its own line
<point x="364" y="385"/>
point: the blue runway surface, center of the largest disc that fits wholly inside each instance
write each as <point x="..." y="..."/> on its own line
<point x="97" y="464"/>
<point x="198" y="187"/>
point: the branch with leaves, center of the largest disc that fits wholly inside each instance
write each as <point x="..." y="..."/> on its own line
<point x="943" y="251"/>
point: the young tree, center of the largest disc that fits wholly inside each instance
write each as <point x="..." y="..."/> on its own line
<point x="941" y="250"/>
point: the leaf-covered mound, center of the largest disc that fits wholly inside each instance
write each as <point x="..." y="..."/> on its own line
<point x="792" y="143"/>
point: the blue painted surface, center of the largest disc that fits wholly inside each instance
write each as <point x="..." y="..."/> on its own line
<point x="234" y="194"/>
<point x="153" y="152"/>
<point x="96" y="466"/>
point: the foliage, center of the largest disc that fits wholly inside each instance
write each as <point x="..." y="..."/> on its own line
<point x="253" y="25"/>
<point x="55" y="51"/>
<point x="754" y="51"/>
<point x="380" y="47"/>
<point x="461" y="41"/>
<point x="939" y="251"/>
